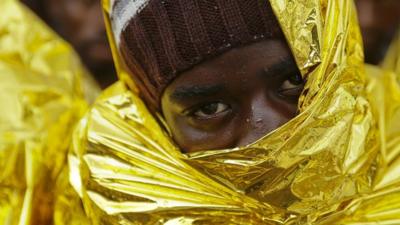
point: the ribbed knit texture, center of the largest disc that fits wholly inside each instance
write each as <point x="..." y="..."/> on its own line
<point x="166" y="37"/>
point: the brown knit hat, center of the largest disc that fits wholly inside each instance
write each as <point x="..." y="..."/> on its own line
<point x="159" y="39"/>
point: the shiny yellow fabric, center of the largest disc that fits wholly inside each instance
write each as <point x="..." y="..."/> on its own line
<point x="335" y="163"/>
<point x="392" y="59"/>
<point x="41" y="100"/>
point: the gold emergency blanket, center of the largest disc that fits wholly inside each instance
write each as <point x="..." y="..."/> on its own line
<point x="338" y="162"/>
<point x="41" y="100"/>
<point x="392" y="59"/>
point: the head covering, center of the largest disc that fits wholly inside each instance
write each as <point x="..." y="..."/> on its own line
<point x="337" y="162"/>
<point x="159" y="39"/>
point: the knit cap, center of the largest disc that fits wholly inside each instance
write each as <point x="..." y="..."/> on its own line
<point x="159" y="39"/>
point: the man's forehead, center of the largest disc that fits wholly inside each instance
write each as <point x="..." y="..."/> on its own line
<point x="122" y="12"/>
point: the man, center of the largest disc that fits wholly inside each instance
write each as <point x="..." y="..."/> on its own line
<point x="201" y="75"/>
<point x="203" y="128"/>
<point x="81" y="23"/>
<point x="219" y="85"/>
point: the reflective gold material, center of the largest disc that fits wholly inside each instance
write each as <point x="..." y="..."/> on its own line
<point x="338" y="162"/>
<point x="392" y="59"/>
<point x="41" y="100"/>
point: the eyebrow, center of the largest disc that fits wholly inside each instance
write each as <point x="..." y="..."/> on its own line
<point x="284" y="66"/>
<point x="182" y="93"/>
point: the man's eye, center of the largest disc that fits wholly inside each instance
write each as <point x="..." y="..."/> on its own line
<point x="210" y="110"/>
<point x="292" y="86"/>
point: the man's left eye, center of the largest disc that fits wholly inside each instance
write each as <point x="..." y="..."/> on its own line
<point x="210" y="110"/>
<point x="292" y="86"/>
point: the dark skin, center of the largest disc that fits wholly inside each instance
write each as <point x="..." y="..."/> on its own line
<point x="81" y="23"/>
<point x="229" y="101"/>
<point x="234" y="99"/>
<point x="379" y="21"/>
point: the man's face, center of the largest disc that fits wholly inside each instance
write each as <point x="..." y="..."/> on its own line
<point x="379" y="20"/>
<point x="80" y="22"/>
<point x="233" y="99"/>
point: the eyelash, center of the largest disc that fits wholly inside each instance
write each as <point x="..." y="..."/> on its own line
<point x="291" y="92"/>
<point x="192" y="110"/>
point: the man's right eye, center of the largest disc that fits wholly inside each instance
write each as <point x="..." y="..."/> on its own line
<point x="210" y="110"/>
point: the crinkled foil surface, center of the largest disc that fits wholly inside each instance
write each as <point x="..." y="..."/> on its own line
<point x="336" y="163"/>
<point x="41" y="100"/>
<point x="392" y="59"/>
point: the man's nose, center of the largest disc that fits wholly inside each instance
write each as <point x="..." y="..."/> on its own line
<point x="262" y="117"/>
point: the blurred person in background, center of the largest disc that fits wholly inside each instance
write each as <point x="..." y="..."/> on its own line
<point x="81" y="23"/>
<point x="379" y="22"/>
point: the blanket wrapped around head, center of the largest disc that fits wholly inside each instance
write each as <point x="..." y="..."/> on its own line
<point x="337" y="162"/>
